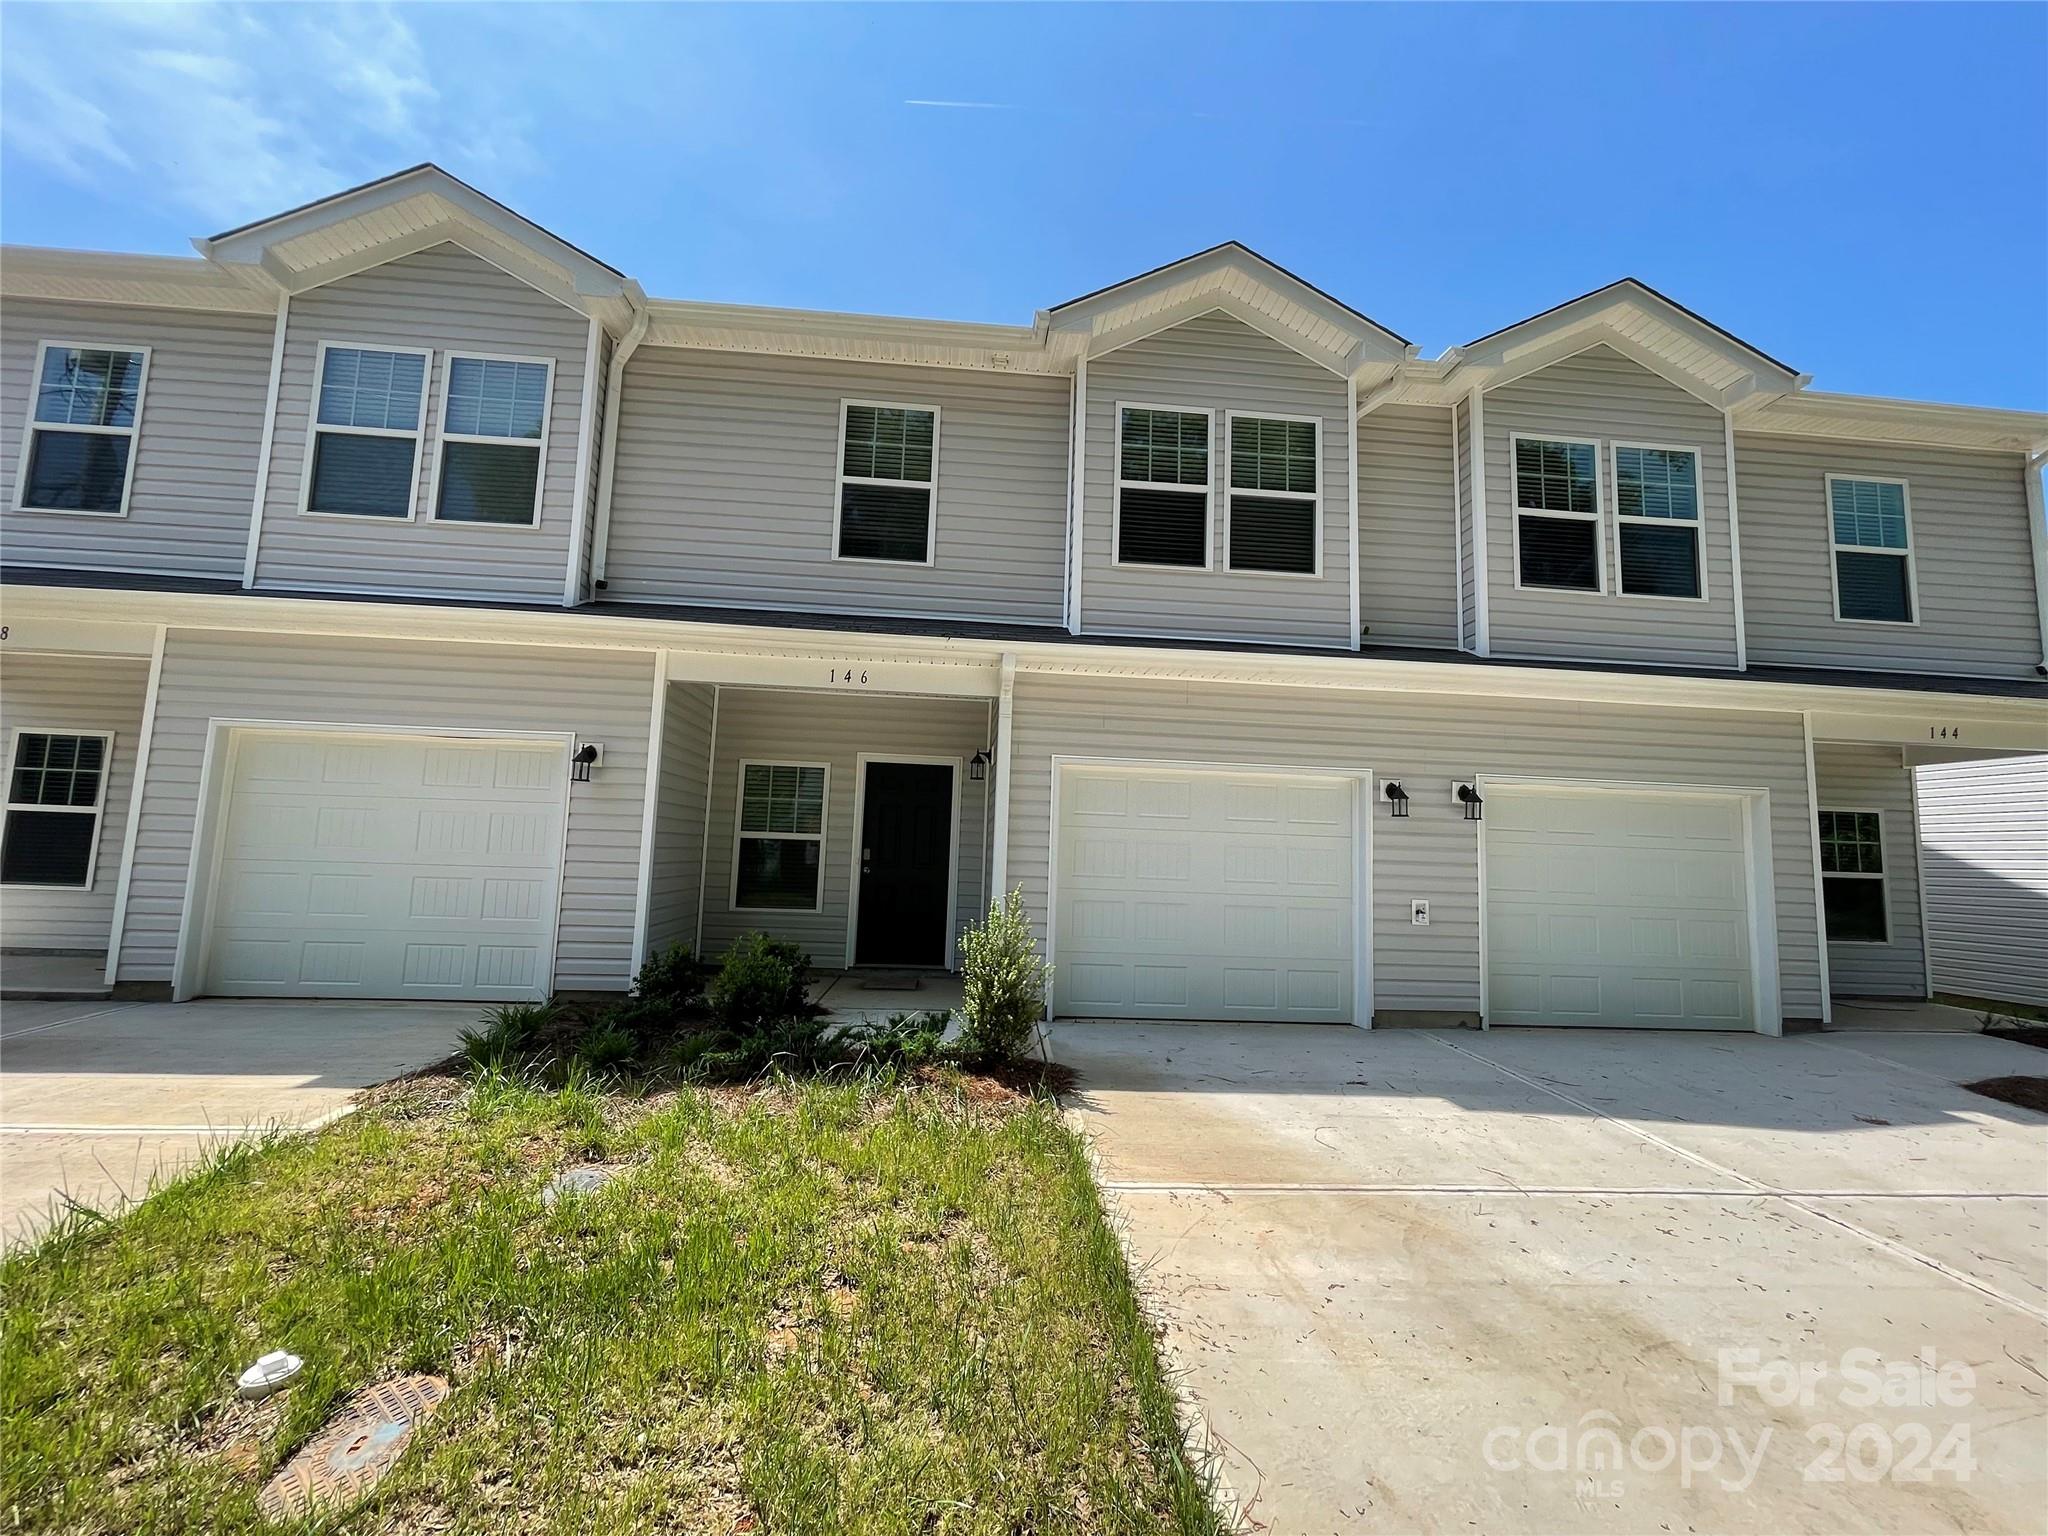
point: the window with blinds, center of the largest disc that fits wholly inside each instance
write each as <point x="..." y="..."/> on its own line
<point x="888" y="479"/>
<point x="494" y="422"/>
<point x="1870" y="536"/>
<point x="1274" y="513"/>
<point x="779" y="839"/>
<point x="364" y="457"/>
<point x="1162" y="487"/>
<point x="56" y="794"/>
<point x="1657" y="520"/>
<point x="81" y="429"/>
<point x="1557" y="514"/>
<point x="1852" y="877"/>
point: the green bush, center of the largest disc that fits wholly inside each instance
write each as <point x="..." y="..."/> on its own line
<point x="1003" y="983"/>
<point x="905" y="1040"/>
<point x="607" y="1047"/>
<point x="671" y="979"/>
<point x="761" y="985"/>
<point x="507" y="1032"/>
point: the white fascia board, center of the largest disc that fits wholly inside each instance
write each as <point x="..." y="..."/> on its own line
<point x="1873" y="418"/>
<point x="155" y="282"/>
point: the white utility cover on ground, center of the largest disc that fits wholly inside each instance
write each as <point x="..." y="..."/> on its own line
<point x="387" y="867"/>
<point x="1611" y="907"/>
<point x="1204" y="895"/>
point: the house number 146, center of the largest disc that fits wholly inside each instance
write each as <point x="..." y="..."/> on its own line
<point x="850" y="675"/>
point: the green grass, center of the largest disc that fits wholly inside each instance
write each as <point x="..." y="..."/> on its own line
<point x="852" y="1307"/>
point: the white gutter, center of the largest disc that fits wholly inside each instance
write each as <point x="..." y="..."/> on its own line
<point x="614" y="408"/>
<point x="1735" y="546"/>
<point x="1351" y="505"/>
<point x="2037" y="537"/>
<point x="1475" y="410"/>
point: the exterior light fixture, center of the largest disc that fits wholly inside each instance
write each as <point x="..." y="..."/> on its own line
<point x="1468" y="797"/>
<point x="1397" y="800"/>
<point x="977" y="765"/>
<point x="586" y="757"/>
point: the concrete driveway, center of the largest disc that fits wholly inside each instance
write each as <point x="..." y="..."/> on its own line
<point x="1566" y="1281"/>
<point x="99" y="1100"/>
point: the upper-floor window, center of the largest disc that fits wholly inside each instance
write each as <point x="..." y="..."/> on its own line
<point x="80" y="454"/>
<point x="56" y="792"/>
<point x="779" y="841"/>
<point x="1557" y="514"/>
<point x="1870" y="540"/>
<point x="494" y="423"/>
<point x="363" y="454"/>
<point x="1852" y="877"/>
<point x="1657" y="520"/>
<point x="1273" y="520"/>
<point x="1162" y="487"/>
<point x="888" y="477"/>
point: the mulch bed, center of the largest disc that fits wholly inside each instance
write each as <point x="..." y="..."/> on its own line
<point x="2022" y="1034"/>
<point x="2026" y="1092"/>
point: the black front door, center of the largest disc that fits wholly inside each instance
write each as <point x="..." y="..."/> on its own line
<point x="906" y="836"/>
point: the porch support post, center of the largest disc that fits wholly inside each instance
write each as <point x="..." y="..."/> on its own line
<point x="657" y="725"/>
<point x="1820" y="907"/>
<point x="999" y="860"/>
<point x="121" y="883"/>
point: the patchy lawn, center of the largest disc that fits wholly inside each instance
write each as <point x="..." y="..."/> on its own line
<point x="847" y="1307"/>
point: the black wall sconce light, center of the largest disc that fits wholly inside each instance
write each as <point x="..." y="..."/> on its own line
<point x="1397" y="799"/>
<point x="1468" y="797"/>
<point x="977" y="765"/>
<point x="585" y="758"/>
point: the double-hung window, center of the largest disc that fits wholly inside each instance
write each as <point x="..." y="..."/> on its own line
<point x="56" y="793"/>
<point x="494" y="423"/>
<point x="1274" y="515"/>
<point x="779" y="841"/>
<point x="80" y="454"/>
<point x="1870" y="538"/>
<point x="364" y="457"/>
<point x="1162" y="487"/>
<point x="1657" y="520"/>
<point x="888" y="480"/>
<point x="1557" y="514"/>
<point x="1852" y="877"/>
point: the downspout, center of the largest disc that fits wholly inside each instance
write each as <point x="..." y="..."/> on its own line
<point x="614" y="408"/>
<point x="2037" y="537"/>
<point x="1735" y="545"/>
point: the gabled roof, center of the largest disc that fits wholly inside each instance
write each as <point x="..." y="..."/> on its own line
<point x="1239" y="281"/>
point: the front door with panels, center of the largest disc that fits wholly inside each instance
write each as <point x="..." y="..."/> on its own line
<point x="387" y="867"/>
<point x="905" y="864"/>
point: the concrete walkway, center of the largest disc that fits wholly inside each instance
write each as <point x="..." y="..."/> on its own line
<point x="1421" y="1281"/>
<point x="99" y="1101"/>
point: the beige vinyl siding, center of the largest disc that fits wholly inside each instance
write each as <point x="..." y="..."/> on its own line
<point x="1972" y="562"/>
<point x="679" y="816"/>
<point x="447" y="300"/>
<point x="195" y="449"/>
<point x="1984" y="836"/>
<point x="602" y="385"/>
<point x="1467" y="561"/>
<point x="1407" y="522"/>
<point x="598" y="695"/>
<point x="1427" y="743"/>
<point x="726" y="491"/>
<point x="763" y="725"/>
<point x="86" y="695"/>
<point x="1858" y="778"/>
<point x="1599" y="395"/>
<point x="1215" y="363"/>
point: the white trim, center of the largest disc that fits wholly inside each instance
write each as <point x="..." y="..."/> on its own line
<point x="1735" y="545"/>
<point x="1075" y="385"/>
<point x="1362" y="781"/>
<point x="1597" y="517"/>
<point x="1482" y="525"/>
<point x="657" y="726"/>
<point x="853" y="849"/>
<point x="1697" y="523"/>
<point x="608" y="450"/>
<point x="264" y="447"/>
<point x="1759" y="880"/>
<point x="581" y="489"/>
<point x="314" y="429"/>
<point x="1231" y="307"/>
<point x="213" y="805"/>
<point x="1457" y="527"/>
<point x="1828" y="480"/>
<point x="1079" y="452"/>
<point x="999" y="854"/>
<point x="2037" y="541"/>
<point x="119" y="923"/>
<point x="1351" y="507"/>
<point x="443" y="437"/>
<point x="1919" y="877"/>
<point x="1883" y="874"/>
<point x="97" y="810"/>
<point x="739" y="817"/>
<point x="1313" y="498"/>
<point x="841" y="479"/>
<point x="1118" y="483"/>
<point x="30" y="427"/>
<point x="1820" y="910"/>
<point x="704" y="841"/>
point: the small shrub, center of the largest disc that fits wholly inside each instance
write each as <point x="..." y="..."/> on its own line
<point x="905" y="1040"/>
<point x="672" y="979"/>
<point x="762" y="983"/>
<point x="1003" y="983"/>
<point x="506" y="1033"/>
<point x="607" y="1046"/>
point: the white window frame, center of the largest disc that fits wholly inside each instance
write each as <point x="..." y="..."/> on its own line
<point x="739" y="817"/>
<point x="1834" y="548"/>
<point x="30" y="426"/>
<point x="1597" y="517"/>
<point x="841" y="479"/>
<point x="1883" y="876"/>
<point x="1231" y="492"/>
<point x="97" y="810"/>
<point x="1208" y="490"/>
<point x="1697" y="523"/>
<point x="314" y="429"/>
<point x="443" y="437"/>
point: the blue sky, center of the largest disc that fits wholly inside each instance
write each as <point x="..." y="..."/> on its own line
<point x="1861" y="190"/>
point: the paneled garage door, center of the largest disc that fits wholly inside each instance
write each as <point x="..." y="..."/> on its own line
<point x="1611" y="907"/>
<point x="387" y="866"/>
<point x="1204" y="895"/>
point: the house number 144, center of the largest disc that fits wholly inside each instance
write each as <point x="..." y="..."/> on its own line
<point x="1944" y="733"/>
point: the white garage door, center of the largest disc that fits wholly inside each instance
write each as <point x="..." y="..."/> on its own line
<point x="387" y="866"/>
<point x="1202" y="895"/>
<point x="1614" y="908"/>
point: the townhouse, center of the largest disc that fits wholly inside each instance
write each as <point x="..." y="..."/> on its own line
<point x="400" y="603"/>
